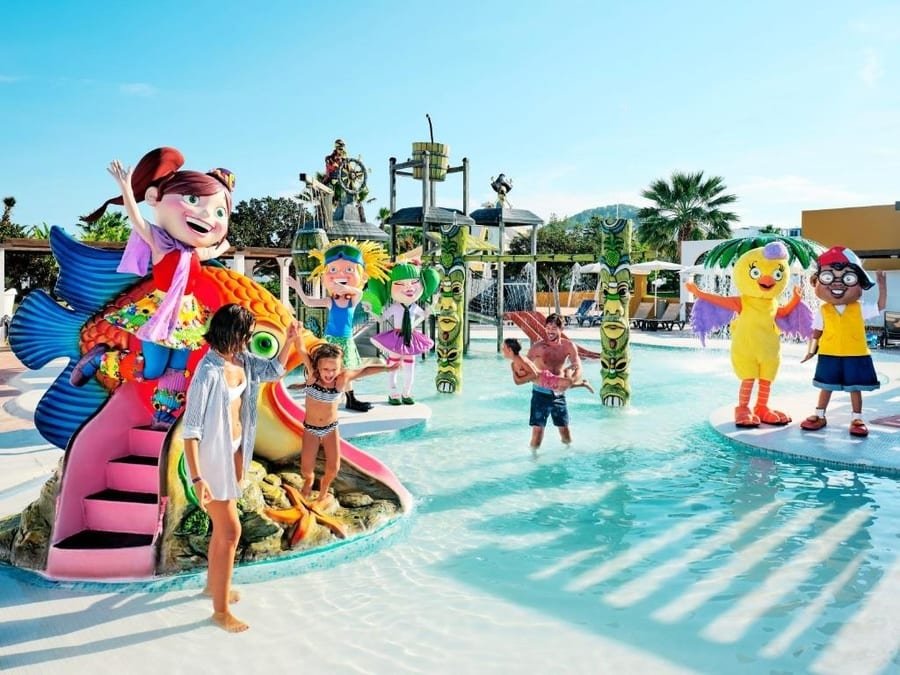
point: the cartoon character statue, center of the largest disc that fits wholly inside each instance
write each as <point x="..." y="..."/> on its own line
<point x="406" y="285"/>
<point x="757" y="322"/>
<point x="839" y="334"/>
<point x="192" y="211"/>
<point x="333" y="162"/>
<point x="345" y="265"/>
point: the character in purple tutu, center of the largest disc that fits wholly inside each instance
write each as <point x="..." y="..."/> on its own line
<point x="407" y="284"/>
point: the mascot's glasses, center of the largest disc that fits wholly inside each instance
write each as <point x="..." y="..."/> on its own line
<point x="847" y="278"/>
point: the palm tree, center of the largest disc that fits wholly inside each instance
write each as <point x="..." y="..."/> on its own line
<point x="383" y="214"/>
<point x="8" y="204"/>
<point x="688" y="208"/>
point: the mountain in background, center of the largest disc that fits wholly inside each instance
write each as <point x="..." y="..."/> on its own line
<point x="611" y="211"/>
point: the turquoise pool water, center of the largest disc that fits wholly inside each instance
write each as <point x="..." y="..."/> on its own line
<point x="651" y="529"/>
<point x="650" y="545"/>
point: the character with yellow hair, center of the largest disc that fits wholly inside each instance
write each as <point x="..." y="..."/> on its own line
<point x="345" y="265"/>
<point x="757" y="322"/>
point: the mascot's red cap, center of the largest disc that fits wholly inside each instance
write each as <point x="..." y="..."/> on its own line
<point x="841" y="256"/>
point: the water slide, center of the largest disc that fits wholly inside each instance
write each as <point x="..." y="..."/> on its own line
<point x="278" y="399"/>
<point x="532" y="324"/>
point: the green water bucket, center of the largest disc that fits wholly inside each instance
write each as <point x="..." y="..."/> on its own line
<point x="438" y="160"/>
<point x="306" y="240"/>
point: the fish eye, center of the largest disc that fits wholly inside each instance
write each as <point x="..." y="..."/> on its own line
<point x="193" y="200"/>
<point x="264" y="344"/>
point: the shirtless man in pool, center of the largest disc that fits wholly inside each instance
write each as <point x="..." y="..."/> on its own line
<point x="552" y="354"/>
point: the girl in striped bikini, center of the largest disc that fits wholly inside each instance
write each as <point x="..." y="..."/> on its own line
<point x="326" y="381"/>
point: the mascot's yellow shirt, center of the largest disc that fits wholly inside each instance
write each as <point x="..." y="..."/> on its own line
<point x="843" y="334"/>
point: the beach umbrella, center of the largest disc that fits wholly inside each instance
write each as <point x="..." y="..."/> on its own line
<point x="654" y="266"/>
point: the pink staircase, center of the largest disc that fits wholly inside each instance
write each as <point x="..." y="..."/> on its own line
<point x="109" y="510"/>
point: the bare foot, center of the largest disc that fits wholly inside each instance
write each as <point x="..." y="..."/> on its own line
<point x="306" y="490"/>
<point x="324" y="502"/>
<point x="228" y="622"/>
<point x="233" y="595"/>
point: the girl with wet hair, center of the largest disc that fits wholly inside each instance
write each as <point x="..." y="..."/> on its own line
<point x="326" y="382"/>
<point x="219" y="433"/>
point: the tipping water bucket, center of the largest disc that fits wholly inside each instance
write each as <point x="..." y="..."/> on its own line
<point x="305" y="240"/>
<point x="438" y="159"/>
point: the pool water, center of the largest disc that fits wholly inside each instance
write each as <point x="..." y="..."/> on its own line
<point x="650" y="530"/>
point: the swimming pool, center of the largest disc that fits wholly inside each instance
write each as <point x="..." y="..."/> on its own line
<point x="650" y="529"/>
<point x="651" y="544"/>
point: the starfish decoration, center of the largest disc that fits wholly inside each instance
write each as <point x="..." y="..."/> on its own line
<point x="305" y="516"/>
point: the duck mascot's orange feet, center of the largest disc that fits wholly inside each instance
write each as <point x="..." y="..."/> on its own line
<point x="744" y="417"/>
<point x="768" y="416"/>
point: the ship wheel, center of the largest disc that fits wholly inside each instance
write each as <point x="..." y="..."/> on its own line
<point x="352" y="176"/>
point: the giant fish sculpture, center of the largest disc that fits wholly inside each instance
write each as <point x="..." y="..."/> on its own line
<point x="124" y="507"/>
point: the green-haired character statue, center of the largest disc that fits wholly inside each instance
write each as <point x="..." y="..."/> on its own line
<point x="406" y="284"/>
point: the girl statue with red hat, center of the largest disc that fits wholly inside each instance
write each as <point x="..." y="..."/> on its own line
<point x="839" y="334"/>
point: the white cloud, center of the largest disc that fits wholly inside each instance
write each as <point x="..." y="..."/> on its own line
<point x="138" y="89"/>
<point x="872" y="69"/>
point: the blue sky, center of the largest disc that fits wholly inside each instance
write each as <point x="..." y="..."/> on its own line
<point x="796" y="105"/>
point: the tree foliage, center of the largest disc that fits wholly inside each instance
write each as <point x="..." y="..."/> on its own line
<point x="554" y="237"/>
<point x="690" y="207"/>
<point x="111" y="226"/>
<point x="266" y="221"/>
<point x="26" y="271"/>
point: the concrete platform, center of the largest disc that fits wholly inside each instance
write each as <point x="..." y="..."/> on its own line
<point x="383" y="418"/>
<point x="833" y="444"/>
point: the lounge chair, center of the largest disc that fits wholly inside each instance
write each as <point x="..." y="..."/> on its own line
<point x="643" y="311"/>
<point x="891" y="331"/>
<point x="583" y="314"/>
<point x="670" y="318"/>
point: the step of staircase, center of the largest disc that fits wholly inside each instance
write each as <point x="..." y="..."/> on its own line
<point x="133" y="473"/>
<point x="122" y="511"/>
<point x="145" y="441"/>
<point x="99" y="554"/>
<point x="100" y="539"/>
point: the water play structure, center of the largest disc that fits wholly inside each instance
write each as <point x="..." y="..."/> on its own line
<point x="450" y="246"/>
<point x="120" y="505"/>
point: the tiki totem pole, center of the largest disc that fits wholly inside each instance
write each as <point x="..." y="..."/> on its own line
<point x="615" y="284"/>
<point x="450" y="306"/>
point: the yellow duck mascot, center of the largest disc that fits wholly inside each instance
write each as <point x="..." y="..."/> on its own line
<point x="757" y="322"/>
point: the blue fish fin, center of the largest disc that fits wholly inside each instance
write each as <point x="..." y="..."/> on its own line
<point x="64" y="408"/>
<point x="42" y="330"/>
<point x="87" y="276"/>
